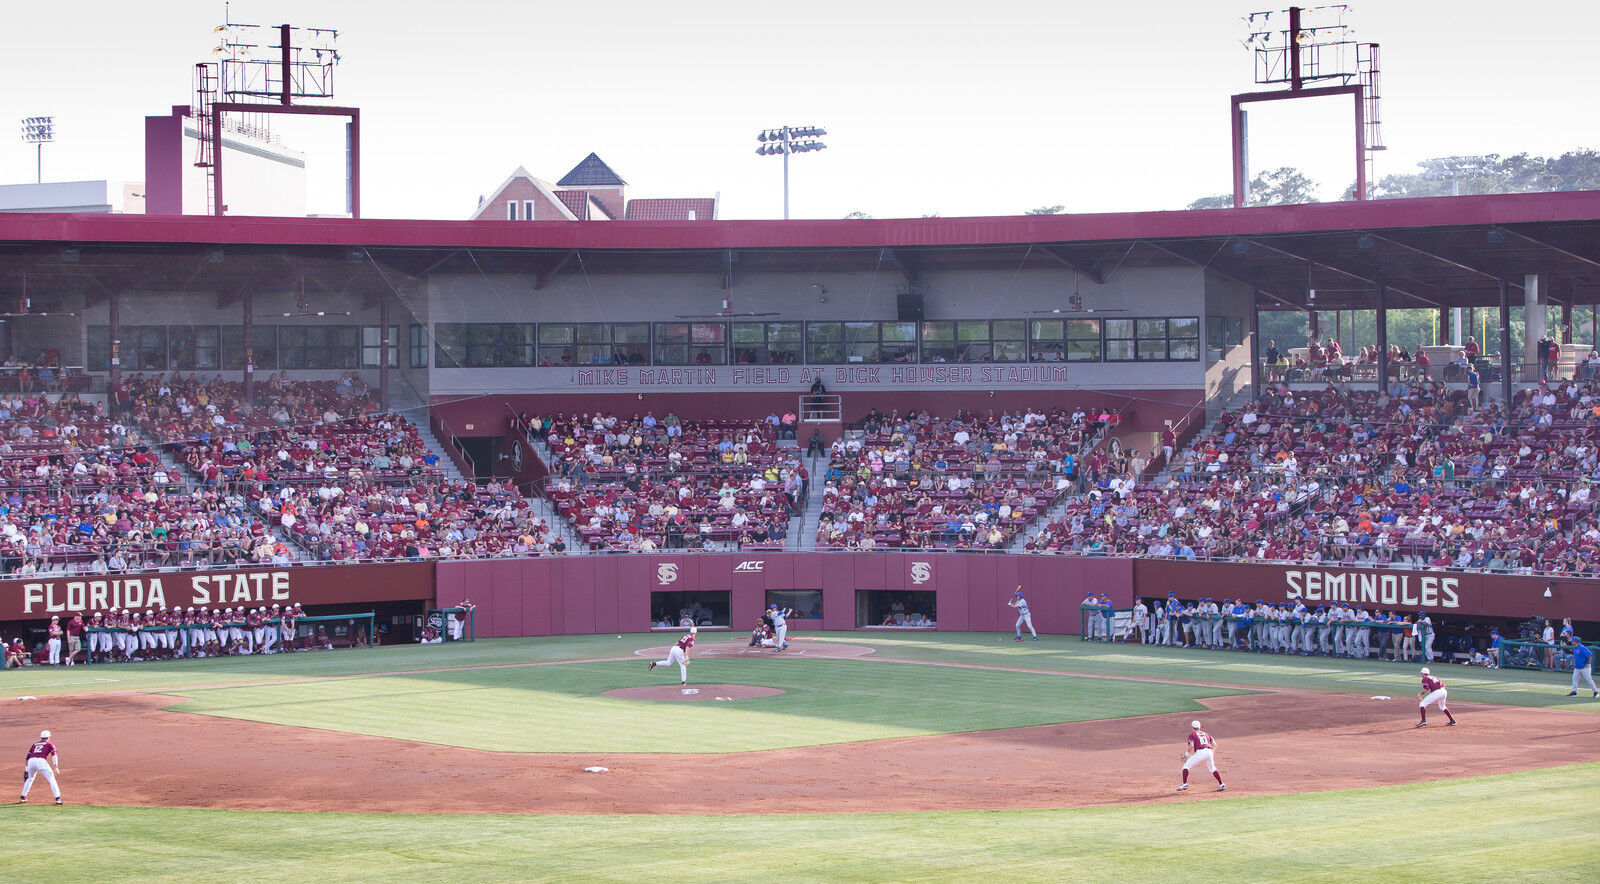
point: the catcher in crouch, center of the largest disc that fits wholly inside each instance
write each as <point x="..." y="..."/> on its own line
<point x="761" y="635"/>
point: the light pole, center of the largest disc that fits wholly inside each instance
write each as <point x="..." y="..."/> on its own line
<point x="36" y="131"/>
<point x="785" y="141"/>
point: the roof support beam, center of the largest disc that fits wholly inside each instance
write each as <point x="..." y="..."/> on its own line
<point x="1206" y="265"/>
<point x="1592" y="261"/>
<point x="1444" y="256"/>
<point x="541" y="277"/>
<point x="906" y="268"/>
<point x="1411" y="288"/>
<point x="1074" y="264"/>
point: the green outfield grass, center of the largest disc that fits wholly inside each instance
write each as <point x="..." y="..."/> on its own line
<point x="560" y="709"/>
<point x="1539" y="825"/>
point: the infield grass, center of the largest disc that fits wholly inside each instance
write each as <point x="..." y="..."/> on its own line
<point x="1531" y="826"/>
<point x="560" y="709"/>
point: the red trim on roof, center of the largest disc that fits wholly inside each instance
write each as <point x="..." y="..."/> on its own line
<point x="1372" y="215"/>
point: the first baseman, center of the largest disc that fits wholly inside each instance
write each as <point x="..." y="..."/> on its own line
<point x="41" y="755"/>
<point x="1200" y="748"/>
<point x="1432" y="692"/>
<point x="1023" y="617"/>
<point x="679" y="654"/>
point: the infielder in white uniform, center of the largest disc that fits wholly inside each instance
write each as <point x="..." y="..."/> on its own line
<point x="780" y="627"/>
<point x="679" y="654"/>
<point x="41" y="755"/>
<point x="1023" y="617"/>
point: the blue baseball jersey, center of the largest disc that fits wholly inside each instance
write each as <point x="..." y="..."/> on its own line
<point x="1581" y="655"/>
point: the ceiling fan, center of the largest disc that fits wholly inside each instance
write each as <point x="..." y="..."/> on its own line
<point x="1075" y="304"/>
<point x="725" y="313"/>
<point x="25" y="308"/>
<point x="302" y="307"/>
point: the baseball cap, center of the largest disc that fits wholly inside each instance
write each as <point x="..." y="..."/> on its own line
<point x="1194" y="724"/>
<point x="1424" y="670"/>
<point x="693" y="630"/>
<point x="44" y="735"/>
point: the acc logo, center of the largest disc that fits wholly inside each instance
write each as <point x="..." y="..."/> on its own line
<point x="752" y="565"/>
<point x="921" y="572"/>
<point x="667" y="573"/>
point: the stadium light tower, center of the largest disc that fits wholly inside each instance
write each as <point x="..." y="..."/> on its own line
<point x="1315" y="53"/>
<point x="785" y="141"/>
<point x="36" y="131"/>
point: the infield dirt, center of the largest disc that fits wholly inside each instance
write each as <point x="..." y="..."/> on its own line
<point x="126" y="749"/>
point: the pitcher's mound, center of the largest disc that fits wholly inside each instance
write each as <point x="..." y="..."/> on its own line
<point x="694" y="693"/>
<point x="798" y="647"/>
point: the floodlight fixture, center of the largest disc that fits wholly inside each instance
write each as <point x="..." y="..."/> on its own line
<point x="37" y="131"/>
<point x="784" y="141"/>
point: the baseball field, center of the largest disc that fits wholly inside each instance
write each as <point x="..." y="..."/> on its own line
<point x="853" y="757"/>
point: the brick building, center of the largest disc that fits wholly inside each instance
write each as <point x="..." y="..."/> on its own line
<point x="590" y="192"/>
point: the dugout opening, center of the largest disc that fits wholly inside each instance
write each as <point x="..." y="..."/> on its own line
<point x="701" y="607"/>
<point x="894" y="609"/>
<point x="806" y="603"/>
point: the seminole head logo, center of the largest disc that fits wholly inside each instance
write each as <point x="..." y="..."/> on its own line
<point x="667" y="572"/>
<point x="921" y="572"/>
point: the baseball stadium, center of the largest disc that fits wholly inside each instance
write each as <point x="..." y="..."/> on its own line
<point x="607" y="539"/>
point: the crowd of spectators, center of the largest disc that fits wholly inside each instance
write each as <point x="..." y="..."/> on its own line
<point x="1408" y="480"/>
<point x="646" y="484"/>
<point x="968" y="481"/>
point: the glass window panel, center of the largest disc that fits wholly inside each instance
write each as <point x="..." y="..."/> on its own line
<point x="1119" y="328"/>
<point x="593" y="333"/>
<point x="555" y="333"/>
<point x="1151" y="350"/>
<point x="973" y="351"/>
<point x="1184" y="348"/>
<point x="1151" y="328"/>
<point x="938" y="331"/>
<point x="1048" y="329"/>
<point x="860" y="332"/>
<point x="1083" y="350"/>
<point x="1119" y="350"/>
<point x="1008" y="329"/>
<point x="750" y="333"/>
<point x="672" y="332"/>
<point x="972" y="331"/>
<point x="901" y="332"/>
<point x="1184" y="327"/>
<point x="709" y="332"/>
<point x="823" y="331"/>
<point x="98" y="348"/>
<point x="784" y="332"/>
<point x="1010" y="351"/>
<point x="631" y="332"/>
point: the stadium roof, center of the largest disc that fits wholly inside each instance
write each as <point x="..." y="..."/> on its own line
<point x="1428" y="252"/>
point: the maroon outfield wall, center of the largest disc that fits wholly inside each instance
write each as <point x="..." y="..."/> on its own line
<point x="1463" y="594"/>
<point x="578" y="595"/>
<point x="42" y="597"/>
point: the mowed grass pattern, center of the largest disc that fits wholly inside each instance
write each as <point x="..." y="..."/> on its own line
<point x="561" y="709"/>
<point x="1533" y="826"/>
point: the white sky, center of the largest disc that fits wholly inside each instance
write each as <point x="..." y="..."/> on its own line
<point x="959" y="109"/>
